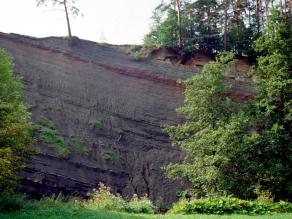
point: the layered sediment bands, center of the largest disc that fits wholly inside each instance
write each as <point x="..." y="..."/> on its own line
<point x="71" y="86"/>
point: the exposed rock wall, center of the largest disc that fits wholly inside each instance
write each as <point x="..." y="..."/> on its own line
<point x="73" y="85"/>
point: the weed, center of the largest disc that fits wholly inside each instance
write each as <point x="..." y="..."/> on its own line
<point x="104" y="199"/>
<point x="49" y="134"/>
<point x="229" y="205"/>
<point x="80" y="146"/>
<point x="11" y="202"/>
<point x="96" y="123"/>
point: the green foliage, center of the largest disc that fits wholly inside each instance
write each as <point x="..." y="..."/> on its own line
<point x="240" y="39"/>
<point x="15" y="139"/>
<point x="139" y="53"/>
<point x="103" y="199"/>
<point x="108" y="156"/>
<point x="206" y="108"/>
<point x="270" y="147"/>
<point x="80" y="146"/>
<point x="245" y="153"/>
<point x="259" y="139"/>
<point x="140" y="205"/>
<point x="48" y="133"/>
<point x="206" y="25"/>
<point x="164" y="33"/>
<point x="228" y="205"/>
<point x="96" y="123"/>
<point x="59" y="207"/>
<point x="11" y="202"/>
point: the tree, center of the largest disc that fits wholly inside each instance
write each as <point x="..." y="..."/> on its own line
<point x="15" y="138"/>
<point x="68" y="8"/>
<point x="164" y="32"/>
<point x="206" y="109"/>
<point x="258" y="141"/>
<point x="213" y="26"/>
<point x="249" y="152"/>
<point x="272" y="106"/>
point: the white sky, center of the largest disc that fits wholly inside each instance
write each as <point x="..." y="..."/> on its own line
<point x="119" y="21"/>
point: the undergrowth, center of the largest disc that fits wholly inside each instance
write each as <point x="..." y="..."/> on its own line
<point x="229" y="205"/>
<point x="103" y="199"/>
<point x="101" y="205"/>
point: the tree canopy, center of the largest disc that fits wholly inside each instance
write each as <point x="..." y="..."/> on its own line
<point x="213" y="25"/>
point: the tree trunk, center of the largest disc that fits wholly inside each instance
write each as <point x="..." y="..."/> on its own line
<point x="178" y="15"/>
<point x="225" y="23"/>
<point x="267" y="2"/>
<point x="258" y="15"/>
<point x="290" y="4"/>
<point x="68" y="21"/>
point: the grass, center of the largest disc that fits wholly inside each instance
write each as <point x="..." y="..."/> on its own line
<point x="83" y="213"/>
<point x="49" y="208"/>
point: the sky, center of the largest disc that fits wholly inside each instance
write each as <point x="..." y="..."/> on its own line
<point x="110" y="21"/>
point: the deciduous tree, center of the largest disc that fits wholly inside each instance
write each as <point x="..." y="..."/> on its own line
<point x="14" y="127"/>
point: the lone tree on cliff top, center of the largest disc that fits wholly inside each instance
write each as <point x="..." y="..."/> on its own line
<point x="69" y="8"/>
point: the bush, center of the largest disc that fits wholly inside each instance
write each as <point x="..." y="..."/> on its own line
<point x="103" y="199"/>
<point x="11" y="202"/>
<point x="56" y="201"/>
<point x="140" y="205"/>
<point x="228" y="205"/>
<point x="138" y="53"/>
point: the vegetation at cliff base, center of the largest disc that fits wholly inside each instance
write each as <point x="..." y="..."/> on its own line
<point x="106" y="206"/>
<point x="15" y="129"/>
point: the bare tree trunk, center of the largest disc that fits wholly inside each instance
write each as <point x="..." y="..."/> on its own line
<point x="285" y="10"/>
<point x="67" y="18"/>
<point x="281" y="7"/>
<point x="267" y="2"/>
<point x="225" y="24"/>
<point x="261" y="13"/>
<point x="178" y="15"/>
<point x="290" y="4"/>
<point x="258" y="15"/>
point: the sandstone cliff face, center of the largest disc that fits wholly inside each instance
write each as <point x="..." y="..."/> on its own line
<point x="72" y="86"/>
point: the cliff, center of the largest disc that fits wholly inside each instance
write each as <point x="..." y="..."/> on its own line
<point x="107" y="110"/>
